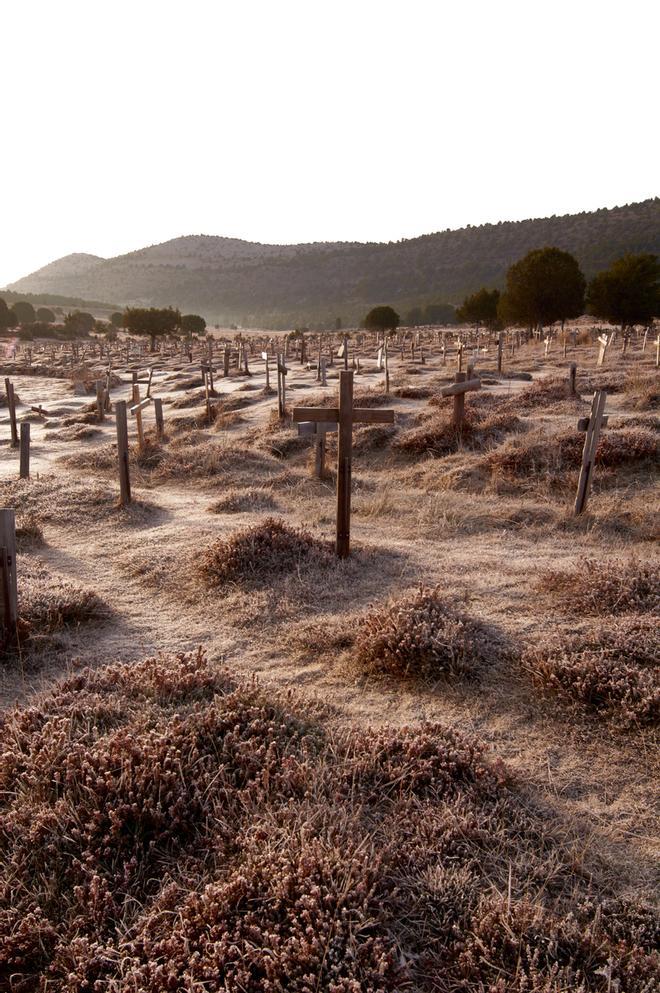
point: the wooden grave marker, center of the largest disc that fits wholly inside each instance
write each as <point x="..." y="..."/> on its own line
<point x="592" y="426"/>
<point x="457" y="390"/>
<point x="122" y="453"/>
<point x="24" y="470"/>
<point x="9" y="599"/>
<point x="281" y="385"/>
<point x="265" y="357"/>
<point x="318" y="429"/>
<point x="11" y="407"/>
<point x="345" y="416"/>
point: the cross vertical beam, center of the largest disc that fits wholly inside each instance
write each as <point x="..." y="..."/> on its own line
<point x="344" y="452"/>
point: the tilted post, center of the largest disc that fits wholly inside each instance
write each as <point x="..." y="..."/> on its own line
<point x="11" y="407"/>
<point x="593" y="426"/>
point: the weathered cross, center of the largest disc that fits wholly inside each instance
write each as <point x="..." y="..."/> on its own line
<point x="345" y="416"/>
<point x="457" y="390"/>
<point x="591" y="425"/>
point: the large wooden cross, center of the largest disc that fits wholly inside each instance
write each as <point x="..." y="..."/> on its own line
<point x="345" y="416"/>
<point x="457" y="390"/>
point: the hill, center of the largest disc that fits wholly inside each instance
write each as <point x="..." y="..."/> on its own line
<point x="229" y="280"/>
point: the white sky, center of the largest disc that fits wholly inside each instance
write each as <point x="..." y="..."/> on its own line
<point x="128" y="123"/>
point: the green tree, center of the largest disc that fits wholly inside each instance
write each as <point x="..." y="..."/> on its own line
<point x="382" y="319"/>
<point x="117" y="320"/>
<point x="24" y="312"/>
<point x="480" y="308"/>
<point x="45" y="315"/>
<point x="79" y="323"/>
<point x="152" y="321"/>
<point x="5" y="316"/>
<point x="193" y="324"/>
<point x="545" y="286"/>
<point x="628" y="292"/>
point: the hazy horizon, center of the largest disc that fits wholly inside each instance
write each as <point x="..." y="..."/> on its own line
<point x="131" y="125"/>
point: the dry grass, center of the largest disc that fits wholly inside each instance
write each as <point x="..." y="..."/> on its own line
<point x="422" y="635"/>
<point x="262" y="552"/>
<point x="48" y="602"/>
<point x="244" y="501"/>
<point x="438" y="435"/>
<point x="162" y="829"/>
<point x="77" y="432"/>
<point x="610" y="587"/>
<point x="61" y="500"/>
<point x="613" y="669"/>
<point x="547" y="392"/>
<point x="556" y="455"/>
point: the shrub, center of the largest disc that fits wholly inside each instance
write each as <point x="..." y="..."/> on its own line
<point x="612" y="670"/>
<point x="162" y="829"/>
<point x="422" y="635"/>
<point x="48" y="602"/>
<point x="610" y="587"/>
<point x="243" y="501"/>
<point x="262" y="551"/>
<point x="438" y="436"/>
<point x="562" y="453"/>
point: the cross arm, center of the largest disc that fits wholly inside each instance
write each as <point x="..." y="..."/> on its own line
<point x="469" y="384"/>
<point x="369" y="415"/>
<point x="318" y="414"/>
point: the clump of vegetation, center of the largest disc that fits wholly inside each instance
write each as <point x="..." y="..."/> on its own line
<point x="423" y="635"/>
<point x="613" y="669"/>
<point x="243" y="501"/>
<point x="556" y="455"/>
<point x="29" y="533"/>
<point x="262" y="551"/>
<point x="164" y="829"/>
<point x="610" y="587"/>
<point x="544" y="392"/>
<point x="439" y="436"/>
<point x="48" y="602"/>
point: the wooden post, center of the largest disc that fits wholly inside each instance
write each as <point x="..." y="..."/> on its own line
<point x="281" y="386"/>
<point x="499" y="351"/>
<point x="346" y="354"/>
<point x="604" y="342"/>
<point x="387" y="368"/>
<point x="225" y="366"/>
<point x="25" y="450"/>
<point x="459" y="402"/>
<point x="158" y="411"/>
<point x="264" y="356"/>
<point x="100" y="399"/>
<point x="138" y="415"/>
<point x="324" y="379"/>
<point x="318" y="366"/>
<point x="11" y="407"/>
<point x="9" y="599"/>
<point x="572" y="373"/>
<point x="122" y="453"/>
<point x="593" y="427"/>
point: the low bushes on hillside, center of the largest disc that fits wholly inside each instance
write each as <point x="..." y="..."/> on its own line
<point x="439" y="436"/>
<point x="613" y="669"/>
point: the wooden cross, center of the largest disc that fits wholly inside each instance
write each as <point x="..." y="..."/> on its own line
<point x="281" y="385"/>
<point x="592" y="426"/>
<point x="319" y="429"/>
<point x="457" y="390"/>
<point x="345" y="415"/>
<point x="604" y="341"/>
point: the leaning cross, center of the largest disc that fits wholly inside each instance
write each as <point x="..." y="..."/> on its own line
<point x="591" y="425"/>
<point x="457" y="390"/>
<point x="344" y="416"/>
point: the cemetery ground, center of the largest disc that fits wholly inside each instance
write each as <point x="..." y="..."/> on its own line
<point x="476" y="685"/>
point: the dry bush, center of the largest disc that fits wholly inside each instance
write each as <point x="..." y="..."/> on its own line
<point x="421" y="634"/>
<point x="545" y="392"/>
<point x="610" y="587"/>
<point x="613" y="669"/>
<point x="244" y="501"/>
<point x="64" y="501"/>
<point x="642" y="390"/>
<point x="29" y="533"/>
<point x="261" y="552"/>
<point x="162" y="829"/>
<point x="559" y="454"/>
<point x="208" y="460"/>
<point x="192" y="399"/>
<point x="88" y="418"/>
<point x="438" y="435"/>
<point x="49" y="602"/>
<point x="412" y="392"/>
<point x="373" y="438"/>
<point x="77" y="432"/>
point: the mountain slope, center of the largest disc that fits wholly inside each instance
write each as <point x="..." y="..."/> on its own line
<point x="228" y="279"/>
